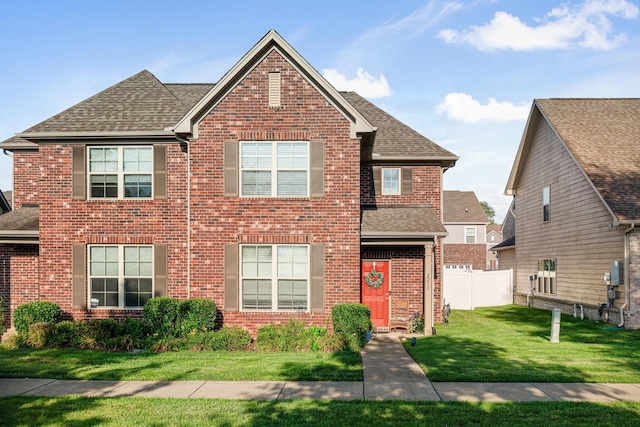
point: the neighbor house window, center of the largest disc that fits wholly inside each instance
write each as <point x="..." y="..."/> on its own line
<point x="274" y="277"/>
<point x="274" y="169"/>
<point x="469" y="234"/>
<point x="121" y="276"/>
<point x="391" y="181"/>
<point x="546" y="205"/>
<point x="547" y="276"/>
<point x="120" y="172"/>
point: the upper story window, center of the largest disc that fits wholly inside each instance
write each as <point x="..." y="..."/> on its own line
<point x="546" y="204"/>
<point x="120" y="172"/>
<point x="121" y="276"/>
<point x="274" y="277"/>
<point x="391" y="179"/>
<point x="274" y="169"/>
<point x="469" y="234"/>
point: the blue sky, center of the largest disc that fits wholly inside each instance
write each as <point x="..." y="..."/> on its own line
<point x="463" y="73"/>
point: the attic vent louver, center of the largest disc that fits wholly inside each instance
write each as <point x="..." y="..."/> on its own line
<point x="274" y="89"/>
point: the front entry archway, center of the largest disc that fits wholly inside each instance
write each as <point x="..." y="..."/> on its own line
<point x="375" y="285"/>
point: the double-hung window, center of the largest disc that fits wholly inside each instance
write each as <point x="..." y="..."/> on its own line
<point x="274" y="277"/>
<point x="470" y="235"/>
<point x="547" y="276"/>
<point x="120" y="172"/>
<point x="391" y="181"/>
<point x="120" y="276"/>
<point x="274" y="169"/>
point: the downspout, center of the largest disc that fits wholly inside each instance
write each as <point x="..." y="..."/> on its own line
<point x="186" y="144"/>
<point x="627" y="285"/>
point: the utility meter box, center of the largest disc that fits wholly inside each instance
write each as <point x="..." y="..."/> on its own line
<point x="615" y="277"/>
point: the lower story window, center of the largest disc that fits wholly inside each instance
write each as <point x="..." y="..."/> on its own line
<point x="121" y="276"/>
<point x="547" y="276"/>
<point x="275" y="277"/>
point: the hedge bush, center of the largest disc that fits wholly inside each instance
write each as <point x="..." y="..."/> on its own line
<point x="34" y="312"/>
<point x="40" y="334"/>
<point x="351" y="323"/>
<point x="294" y="336"/>
<point x="196" y="315"/>
<point x="161" y="315"/>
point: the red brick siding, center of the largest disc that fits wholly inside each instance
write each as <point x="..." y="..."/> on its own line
<point x="332" y="220"/>
<point x="64" y="222"/>
<point x="18" y="277"/>
<point x="466" y="253"/>
<point x="26" y="178"/>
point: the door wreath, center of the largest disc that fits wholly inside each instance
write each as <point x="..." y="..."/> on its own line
<point x="374" y="279"/>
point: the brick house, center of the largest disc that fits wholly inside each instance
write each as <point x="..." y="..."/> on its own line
<point x="466" y="222"/>
<point x="269" y="192"/>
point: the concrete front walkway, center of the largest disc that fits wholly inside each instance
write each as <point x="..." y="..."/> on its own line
<point x="389" y="374"/>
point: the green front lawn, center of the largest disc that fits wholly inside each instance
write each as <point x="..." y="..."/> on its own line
<point x="173" y="366"/>
<point x="511" y="344"/>
<point x="86" y="411"/>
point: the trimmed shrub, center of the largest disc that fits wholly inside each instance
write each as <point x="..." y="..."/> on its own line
<point x="228" y="338"/>
<point x="351" y="323"/>
<point x="14" y="342"/>
<point x="161" y="315"/>
<point x="40" y="334"/>
<point x="34" y="312"/>
<point x="196" y="315"/>
<point x="64" y="333"/>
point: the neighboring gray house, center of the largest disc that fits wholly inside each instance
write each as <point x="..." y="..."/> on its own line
<point x="576" y="183"/>
<point x="494" y="236"/>
<point x="466" y="222"/>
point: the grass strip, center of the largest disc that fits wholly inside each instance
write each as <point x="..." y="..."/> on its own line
<point x="86" y="411"/>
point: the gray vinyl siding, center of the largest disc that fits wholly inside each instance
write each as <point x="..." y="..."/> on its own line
<point x="507" y="260"/>
<point x="577" y="234"/>
<point x="457" y="233"/>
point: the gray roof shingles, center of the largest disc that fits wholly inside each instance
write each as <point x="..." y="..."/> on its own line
<point x="22" y="219"/>
<point x="602" y="134"/>
<point x="394" y="138"/>
<point x="462" y="207"/>
<point x="401" y="219"/>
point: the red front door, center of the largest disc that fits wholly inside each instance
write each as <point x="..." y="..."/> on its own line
<point x="375" y="291"/>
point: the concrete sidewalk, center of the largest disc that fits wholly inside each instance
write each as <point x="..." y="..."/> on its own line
<point x="389" y="374"/>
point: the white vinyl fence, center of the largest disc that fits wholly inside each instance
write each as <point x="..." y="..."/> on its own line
<point x="466" y="290"/>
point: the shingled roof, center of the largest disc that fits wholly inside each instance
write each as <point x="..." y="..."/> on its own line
<point x="400" y="221"/>
<point x="462" y="207"/>
<point x="394" y="138"/>
<point x="602" y="135"/>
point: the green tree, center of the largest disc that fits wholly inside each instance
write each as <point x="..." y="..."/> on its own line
<point x="489" y="211"/>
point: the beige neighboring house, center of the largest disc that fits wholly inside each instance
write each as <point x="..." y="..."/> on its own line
<point x="466" y="222"/>
<point x="494" y="236"/>
<point x="576" y="184"/>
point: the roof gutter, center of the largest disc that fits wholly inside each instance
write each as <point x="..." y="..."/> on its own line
<point x="56" y="137"/>
<point x="19" y="237"/>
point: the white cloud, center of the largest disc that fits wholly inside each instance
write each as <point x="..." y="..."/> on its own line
<point x="586" y="25"/>
<point x="363" y="83"/>
<point x="462" y="107"/>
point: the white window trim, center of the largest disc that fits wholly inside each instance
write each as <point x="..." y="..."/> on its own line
<point x="274" y="170"/>
<point x="120" y="173"/>
<point x="274" y="280"/>
<point x="547" y="284"/>
<point x="386" y="191"/>
<point x="475" y="235"/>
<point x="121" y="277"/>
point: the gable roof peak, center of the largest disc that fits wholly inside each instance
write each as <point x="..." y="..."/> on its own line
<point x="188" y="124"/>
